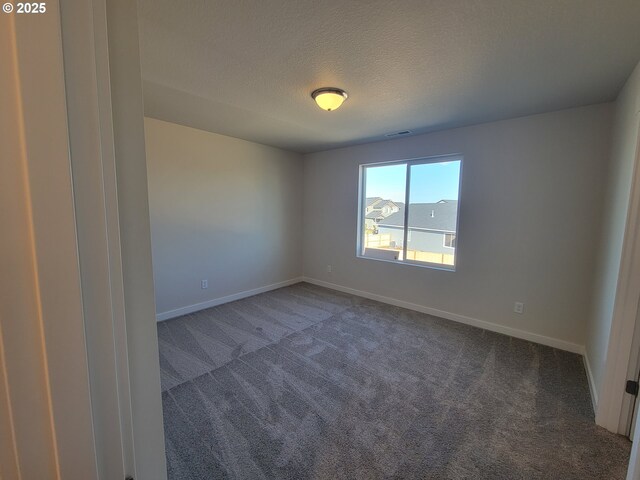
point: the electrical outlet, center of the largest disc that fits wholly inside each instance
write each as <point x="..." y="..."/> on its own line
<point x="204" y="284"/>
<point x="519" y="308"/>
<point x="329" y="269"/>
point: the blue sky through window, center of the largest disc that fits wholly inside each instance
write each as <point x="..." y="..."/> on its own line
<point x="429" y="182"/>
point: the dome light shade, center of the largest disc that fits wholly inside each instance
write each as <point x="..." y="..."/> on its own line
<point x="329" y="98"/>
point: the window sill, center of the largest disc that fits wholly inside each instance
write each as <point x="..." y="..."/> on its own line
<point x="431" y="266"/>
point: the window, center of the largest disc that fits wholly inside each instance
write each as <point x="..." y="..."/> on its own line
<point x="450" y="240"/>
<point x="409" y="211"/>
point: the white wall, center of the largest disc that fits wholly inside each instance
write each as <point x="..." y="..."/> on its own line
<point x="222" y="209"/>
<point x="616" y="203"/>
<point x="530" y="211"/>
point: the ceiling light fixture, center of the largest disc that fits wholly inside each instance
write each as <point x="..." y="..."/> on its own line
<point x="329" y="98"/>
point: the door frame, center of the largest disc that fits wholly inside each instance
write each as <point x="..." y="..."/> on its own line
<point x="613" y="410"/>
<point x="105" y="118"/>
<point x="630" y="404"/>
<point x="139" y="336"/>
<point x="96" y="215"/>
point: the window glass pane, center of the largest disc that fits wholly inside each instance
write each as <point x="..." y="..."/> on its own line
<point x="433" y="212"/>
<point x="383" y="215"/>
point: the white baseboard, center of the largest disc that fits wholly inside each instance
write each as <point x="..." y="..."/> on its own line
<point x="226" y="299"/>
<point x="592" y="383"/>
<point x="493" y="327"/>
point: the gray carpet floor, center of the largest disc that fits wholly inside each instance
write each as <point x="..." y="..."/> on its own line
<point x="310" y="383"/>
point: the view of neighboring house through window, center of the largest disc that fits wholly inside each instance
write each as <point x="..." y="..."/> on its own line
<point x="410" y="211"/>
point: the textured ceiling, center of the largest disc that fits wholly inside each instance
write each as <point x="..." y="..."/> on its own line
<point x="247" y="68"/>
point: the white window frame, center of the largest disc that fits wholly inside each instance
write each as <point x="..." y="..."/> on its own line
<point x="444" y="238"/>
<point x="362" y="205"/>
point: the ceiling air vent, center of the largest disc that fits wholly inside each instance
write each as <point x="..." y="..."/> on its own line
<point x="398" y="134"/>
